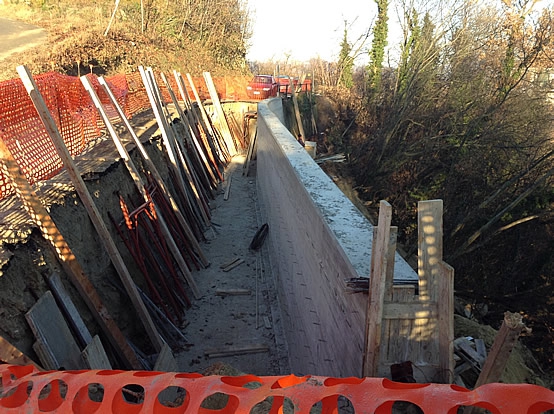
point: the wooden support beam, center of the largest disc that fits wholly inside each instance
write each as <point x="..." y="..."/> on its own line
<point x="71" y="266"/>
<point x="222" y="120"/>
<point x="504" y="342"/>
<point x="377" y="283"/>
<point x="89" y="205"/>
<point x="139" y="184"/>
<point x="221" y="151"/>
<point x="167" y="138"/>
<point x="156" y="174"/>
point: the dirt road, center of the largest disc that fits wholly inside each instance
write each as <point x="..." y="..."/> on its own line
<point x="17" y="36"/>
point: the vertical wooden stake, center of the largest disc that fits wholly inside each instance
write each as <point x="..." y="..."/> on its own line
<point x="429" y="248"/>
<point x="91" y="208"/>
<point x="377" y="280"/>
<point x="445" y="309"/>
<point x="504" y="342"/>
<point x="71" y="266"/>
<point x="297" y="110"/>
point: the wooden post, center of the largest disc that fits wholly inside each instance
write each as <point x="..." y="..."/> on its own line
<point x="220" y="114"/>
<point x="91" y="208"/>
<point x="297" y="110"/>
<point x="71" y="266"/>
<point x="429" y="248"/>
<point x="140" y="187"/>
<point x="445" y="310"/>
<point x="377" y="280"/>
<point x="436" y="281"/>
<point x="504" y="343"/>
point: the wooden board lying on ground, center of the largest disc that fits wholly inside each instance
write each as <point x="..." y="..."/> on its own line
<point x="95" y="355"/>
<point x="53" y="335"/>
<point x="68" y="308"/>
<point x="165" y="361"/>
<point x="236" y="350"/>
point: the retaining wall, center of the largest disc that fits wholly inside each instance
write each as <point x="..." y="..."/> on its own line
<point x="317" y="240"/>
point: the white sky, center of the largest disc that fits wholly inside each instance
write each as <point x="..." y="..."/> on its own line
<point x="305" y="29"/>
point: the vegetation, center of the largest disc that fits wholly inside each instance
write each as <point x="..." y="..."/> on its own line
<point x="466" y="116"/>
<point x="108" y="38"/>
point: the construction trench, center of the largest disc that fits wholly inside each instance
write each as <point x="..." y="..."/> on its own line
<point x="270" y="247"/>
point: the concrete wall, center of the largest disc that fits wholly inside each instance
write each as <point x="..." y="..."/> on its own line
<point x="317" y="240"/>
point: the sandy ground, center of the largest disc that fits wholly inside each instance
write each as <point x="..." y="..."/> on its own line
<point x="233" y="324"/>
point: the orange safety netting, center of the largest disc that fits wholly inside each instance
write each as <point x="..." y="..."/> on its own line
<point x="25" y="389"/>
<point x="76" y="117"/>
<point x="71" y="108"/>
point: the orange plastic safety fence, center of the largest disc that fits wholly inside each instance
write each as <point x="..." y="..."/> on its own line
<point x="24" y="389"/>
<point x="74" y="114"/>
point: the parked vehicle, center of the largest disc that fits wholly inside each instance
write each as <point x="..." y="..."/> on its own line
<point x="262" y="87"/>
<point x="284" y="84"/>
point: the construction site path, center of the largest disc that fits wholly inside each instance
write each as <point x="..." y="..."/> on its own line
<point x="237" y="320"/>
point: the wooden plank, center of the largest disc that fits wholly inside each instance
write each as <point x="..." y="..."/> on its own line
<point x="395" y="310"/>
<point x="233" y="292"/>
<point x="229" y="263"/>
<point x="429" y="248"/>
<point x="377" y="283"/>
<point x="236" y="350"/>
<point x="69" y="310"/>
<point x="165" y="361"/>
<point x="95" y="355"/>
<point x="45" y="356"/>
<point x="69" y="263"/>
<point x="222" y="120"/>
<point x="232" y="266"/>
<point x="465" y="350"/>
<point x="228" y="187"/>
<point x="481" y="350"/>
<point x="446" y="323"/>
<point x="504" y="342"/>
<point x="391" y="253"/>
<point x="53" y="334"/>
<point x="89" y="205"/>
<point x="11" y="355"/>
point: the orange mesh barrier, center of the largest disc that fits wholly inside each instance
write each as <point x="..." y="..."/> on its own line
<point x="75" y="115"/>
<point x="25" y="389"/>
